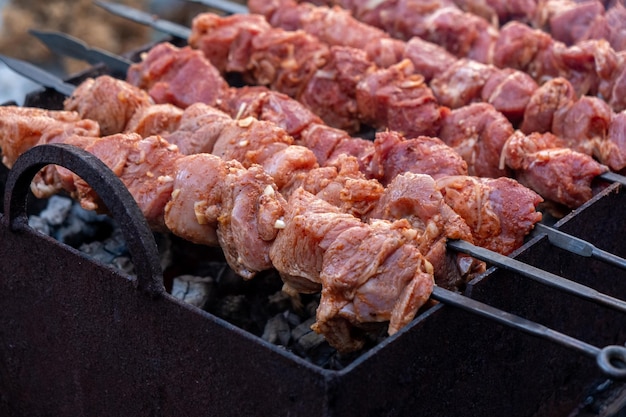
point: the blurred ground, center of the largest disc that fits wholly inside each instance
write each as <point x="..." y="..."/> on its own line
<point x="79" y="18"/>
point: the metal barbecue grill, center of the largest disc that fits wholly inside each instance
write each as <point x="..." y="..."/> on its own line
<point x="81" y="338"/>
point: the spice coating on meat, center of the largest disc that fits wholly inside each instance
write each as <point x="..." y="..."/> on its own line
<point x="414" y="197"/>
<point x="555" y="94"/>
<point x="542" y="161"/>
<point x="109" y="102"/>
<point x="144" y="165"/>
<point x="338" y="83"/>
<point x="478" y="133"/>
<point x="398" y="99"/>
<point x="330" y="91"/>
<point x="22" y="128"/>
<point x="500" y="212"/>
<point x="369" y="272"/>
<point x="334" y="26"/>
<point x="423" y="155"/>
<point x="166" y="77"/>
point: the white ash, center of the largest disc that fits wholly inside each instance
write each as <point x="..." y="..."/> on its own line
<point x="192" y="289"/>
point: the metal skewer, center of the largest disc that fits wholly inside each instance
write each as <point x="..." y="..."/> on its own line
<point x="610" y="359"/>
<point x="65" y="45"/>
<point x="226" y="6"/>
<point x="579" y="246"/>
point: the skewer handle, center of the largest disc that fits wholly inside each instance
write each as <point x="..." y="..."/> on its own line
<point x="611" y="359"/>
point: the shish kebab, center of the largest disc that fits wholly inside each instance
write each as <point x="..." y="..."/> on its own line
<point x="532" y="181"/>
<point x="521" y="268"/>
<point x="590" y="71"/>
<point x="597" y="66"/>
<point x="426" y="111"/>
<point x="553" y="107"/>
<point x="609" y="358"/>
<point x="67" y="45"/>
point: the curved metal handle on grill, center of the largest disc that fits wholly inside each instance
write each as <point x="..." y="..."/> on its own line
<point x="110" y="189"/>
<point x="610" y="359"/>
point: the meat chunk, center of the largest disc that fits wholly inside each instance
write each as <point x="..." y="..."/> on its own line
<point x="543" y="162"/>
<point x="462" y="83"/>
<point x="613" y="148"/>
<point x="499" y="211"/>
<point x="21" y="128"/>
<point x="250" y="210"/>
<point x="264" y="104"/>
<point x="334" y="26"/>
<point x="180" y="76"/>
<point x="199" y="128"/>
<point x="414" y="197"/>
<point x="428" y="58"/>
<point x="330" y="91"/>
<point x="422" y="155"/>
<point x="549" y="99"/>
<point x="478" y="133"/>
<point x="398" y="99"/>
<point x="214" y="37"/>
<point x="109" y="101"/>
<point x="157" y="119"/>
<point x="342" y="185"/>
<point x="369" y="273"/>
<point x="145" y="166"/>
<point x="583" y="124"/>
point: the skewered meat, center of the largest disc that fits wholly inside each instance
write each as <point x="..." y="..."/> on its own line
<point x="249" y="141"/>
<point x="328" y="143"/>
<point x="441" y="22"/>
<point x="591" y="65"/>
<point x="526" y="154"/>
<point x="394" y="279"/>
<point x="499" y="12"/>
<point x="325" y="78"/>
<point x="25" y="127"/>
<point x="501" y="199"/>
<point x="396" y="155"/>
<point x="553" y="95"/>
<point x="117" y="114"/>
<point x="572" y="21"/>
<point x="203" y="197"/>
<point x="416" y="198"/>
<point x="157" y="68"/>
<point x="455" y="82"/>
<point x="478" y="133"/>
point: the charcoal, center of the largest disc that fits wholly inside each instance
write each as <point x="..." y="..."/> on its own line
<point x="57" y="210"/>
<point x="39" y="224"/>
<point x="193" y="290"/>
<point x="125" y="264"/>
<point x="279" y="301"/>
<point x="277" y="330"/>
<point x="97" y="251"/>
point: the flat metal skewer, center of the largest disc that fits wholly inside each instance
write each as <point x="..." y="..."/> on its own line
<point x="610" y="359"/>
<point x="579" y="246"/>
<point x="228" y="7"/>
<point x="537" y="274"/>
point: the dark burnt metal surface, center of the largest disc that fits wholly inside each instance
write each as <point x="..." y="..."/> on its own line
<point x="79" y="338"/>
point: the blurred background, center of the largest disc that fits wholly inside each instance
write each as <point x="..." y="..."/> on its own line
<point x="79" y="18"/>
